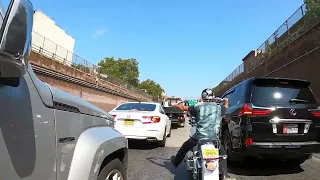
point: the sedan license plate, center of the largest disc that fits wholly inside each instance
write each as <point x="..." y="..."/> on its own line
<point x="290" y="129"/>
<point x="210" y="153"/>
<point x="128" y="122"/>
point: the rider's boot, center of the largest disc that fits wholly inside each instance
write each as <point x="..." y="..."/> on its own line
<point x="173" y="161"/>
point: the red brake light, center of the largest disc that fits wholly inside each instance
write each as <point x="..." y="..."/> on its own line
<point x="316" y="113"/>
<point x="153" y="119"/>
<point x="248" y="111"/>
<point x="114" y="115"/>
<point x="248" y="142"/>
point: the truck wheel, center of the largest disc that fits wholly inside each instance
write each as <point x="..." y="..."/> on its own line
<point x="163" y="142"/>
<point x="113" y="170"/>
<point x="182" y="124"/>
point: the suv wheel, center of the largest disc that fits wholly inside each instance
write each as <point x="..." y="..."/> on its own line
<point x="113" y="170"/>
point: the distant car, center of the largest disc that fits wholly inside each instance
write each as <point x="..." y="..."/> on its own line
<point x="272" y="117"/>
<point x="176" y="115"/>
<point x="142" y="121"/>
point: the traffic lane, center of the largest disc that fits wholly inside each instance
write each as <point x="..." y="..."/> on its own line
<point x="149" y="162"/>
<point x="153" y="164"/>
<point x="270" y="170"/>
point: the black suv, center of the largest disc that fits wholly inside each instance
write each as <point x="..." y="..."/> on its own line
<point x="272" y="117"/>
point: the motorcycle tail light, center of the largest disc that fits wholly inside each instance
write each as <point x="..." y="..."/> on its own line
<point x="212" y="165"/>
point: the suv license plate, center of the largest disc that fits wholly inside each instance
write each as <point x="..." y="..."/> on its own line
<point x="290" y="129"/>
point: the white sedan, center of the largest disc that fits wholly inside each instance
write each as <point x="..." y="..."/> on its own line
<point x="142" y="120"/>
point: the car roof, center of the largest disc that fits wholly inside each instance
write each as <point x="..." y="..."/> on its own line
<point x="141" y="102"/>
<point x="291" y="79"/>
<point x="262" y="78"/>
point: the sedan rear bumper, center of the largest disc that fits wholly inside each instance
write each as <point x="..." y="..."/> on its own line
<point x="141" y="133"/>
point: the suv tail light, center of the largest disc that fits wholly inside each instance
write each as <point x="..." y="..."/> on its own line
<point x="153" y="119"/>
<point x="247" y="110"/>
<point x="316" y="113"/>
<point x="248" y="142"/>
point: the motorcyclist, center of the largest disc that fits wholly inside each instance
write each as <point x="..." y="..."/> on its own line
<point x="206" y="114"/>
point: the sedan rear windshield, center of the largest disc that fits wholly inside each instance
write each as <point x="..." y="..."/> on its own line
<point x="281" y="92"/>
<point x="137" y="107"/>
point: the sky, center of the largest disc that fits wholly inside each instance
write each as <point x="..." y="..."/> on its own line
<point x="184" y="45"/>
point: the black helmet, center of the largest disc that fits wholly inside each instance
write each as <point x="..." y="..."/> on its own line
<point x="207" y="94"/>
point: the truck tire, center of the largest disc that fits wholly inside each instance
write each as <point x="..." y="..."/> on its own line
<point x="113" y="169"/>
<point x="182" y="124"/>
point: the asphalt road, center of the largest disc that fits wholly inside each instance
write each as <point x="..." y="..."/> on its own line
<point x="149" y="162"/>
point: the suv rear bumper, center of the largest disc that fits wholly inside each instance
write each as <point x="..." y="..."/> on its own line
<point x="285" y="149"/>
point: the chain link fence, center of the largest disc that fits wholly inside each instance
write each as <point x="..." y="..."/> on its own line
<point x="297" y="23"/>
<point x="51" y="50"/>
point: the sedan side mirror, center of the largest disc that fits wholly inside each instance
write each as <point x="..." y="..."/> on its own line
<point x="15" y="39"/>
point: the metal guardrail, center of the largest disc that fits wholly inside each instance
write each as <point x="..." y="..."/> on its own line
<point x="53" y="51"/>
<point x="235" y="73"/>
<point x="80" y="82"/>
<point x="298" y="22"/>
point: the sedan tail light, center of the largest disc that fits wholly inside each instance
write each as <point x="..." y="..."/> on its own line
<point x="153" y="119"/>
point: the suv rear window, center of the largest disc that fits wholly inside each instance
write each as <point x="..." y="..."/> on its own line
<point x="277" y="92"/>
<point x="137" y="107"/>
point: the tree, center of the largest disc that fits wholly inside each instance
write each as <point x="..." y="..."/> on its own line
<point x="126" y="70"/>
<point x="313" y="7"/>
<point x="81" y="67"/>
<point x="152" y="88"/>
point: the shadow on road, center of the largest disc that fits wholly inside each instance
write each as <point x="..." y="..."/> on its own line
<point x="249" y="168"/>
<point x="262" y="168"/>
<point x="180" y="172"/>
<point x="142" y="145"/>
<point x="174" y="126"/>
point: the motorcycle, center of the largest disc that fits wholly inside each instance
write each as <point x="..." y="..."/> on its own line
<point x="203" y="162"/>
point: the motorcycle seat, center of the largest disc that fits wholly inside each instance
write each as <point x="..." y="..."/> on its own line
<point x="207" y="140"/>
